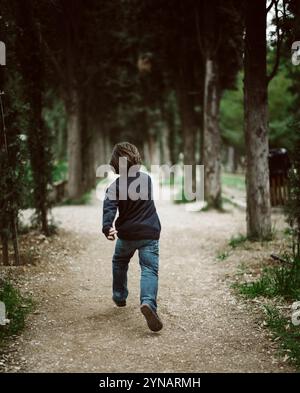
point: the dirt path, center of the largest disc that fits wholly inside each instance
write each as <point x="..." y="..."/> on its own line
<point x="77" y="327"/>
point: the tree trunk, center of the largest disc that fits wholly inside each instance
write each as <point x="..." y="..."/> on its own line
<point x="107" y="147"/>
<point x="61" y="136"/>
<point x="32" y="61"/>
<point x="153" y="149"/>
<point x="5" y="258"/>
<point x="88" y="157"/>
<point x="187" y="116"/>
<point x="99" y="152"/>
<point x="146" y="158"/>
<point x="3" y="212"/>
<point x="189" y="131"/>
<point x="44" y="221"/>
<point x="165" y="145"/>
<point x="231" y="167"/>
<point x="15" y="241"/>
<point x="211" y="139"/>
<point x="256" y="132"/>
<point x="171" y="109"/>
<point x="74" y="146"/>
<point x="189" y="140"/>
<point x="89" y="174"/>
<point x="71" y="12"/>
<point x="165" y="133"/>
<point x="211" y="136"/>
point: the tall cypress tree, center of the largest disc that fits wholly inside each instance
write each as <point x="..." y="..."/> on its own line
<point x="31" y="54"/>
<point x="12" y="152"/>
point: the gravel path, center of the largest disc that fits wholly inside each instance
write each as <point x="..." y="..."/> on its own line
<point x="77" y="328"/>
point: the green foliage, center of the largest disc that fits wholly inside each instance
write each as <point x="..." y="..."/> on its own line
<point x="281" y="100"/>
<point x="285" y="333"/>
<point x="85" y="199"/>
<point x="13" y="155"/>
<point x="280" y="103"/>
<point x="232" y="116"/>
<point x="60" y="171"/>
<point x="32" y="65"/>
<point x="283" y="280"/>
<point x="116" y="99"/>
<point x="17" y="308"/>
<point x="223" y="255"/>
<point x="261" y="287"/>
<point x="55" y="118"/>
<point x="293" y="206"/>
<point x="22" y="172"/>
<point x="237" y="241"/>
<point x="234" y="181"/>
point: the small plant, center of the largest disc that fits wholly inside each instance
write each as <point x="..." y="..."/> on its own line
<point x="238" y="240"/>
<point x="261" y="287"/>
<point x="223" y="255"/>
<point x="288" y="232"/>
<point x="282" y="280"/>
<point x="242" y="269"/>
<point x="17" y="308"/>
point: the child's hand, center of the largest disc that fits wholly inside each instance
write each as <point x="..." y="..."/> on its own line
<point x="111" y="234"/>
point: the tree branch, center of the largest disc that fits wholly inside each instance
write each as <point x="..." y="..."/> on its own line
<point x="278" y="45"/>
<point x="270" y="6"/>
<point x="279" y="259"/>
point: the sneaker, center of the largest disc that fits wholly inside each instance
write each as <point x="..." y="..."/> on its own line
<point x="153" y="321"/>
<point x="121" y="303"/>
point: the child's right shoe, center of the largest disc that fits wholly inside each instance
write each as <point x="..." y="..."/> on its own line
<point x="153" y="321"/>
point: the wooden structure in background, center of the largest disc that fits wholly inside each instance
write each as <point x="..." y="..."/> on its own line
<point x="59" y="192"/>
<point x="279" y="165"/>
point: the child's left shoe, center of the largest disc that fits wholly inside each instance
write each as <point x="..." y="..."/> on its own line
<point x="122" y="303"/>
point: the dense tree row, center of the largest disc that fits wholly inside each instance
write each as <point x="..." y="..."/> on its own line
<point x="82" y="75"/>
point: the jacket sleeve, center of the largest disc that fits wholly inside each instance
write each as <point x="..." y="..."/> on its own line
<point x="110" y="206"/>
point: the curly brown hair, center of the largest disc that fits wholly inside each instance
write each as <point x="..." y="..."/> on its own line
<point x="127" y="150"/>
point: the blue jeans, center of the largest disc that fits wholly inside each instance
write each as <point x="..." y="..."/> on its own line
<point x="149" y="260"/>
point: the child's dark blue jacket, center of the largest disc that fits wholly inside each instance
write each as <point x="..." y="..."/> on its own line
<point x="138" y="218"/>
